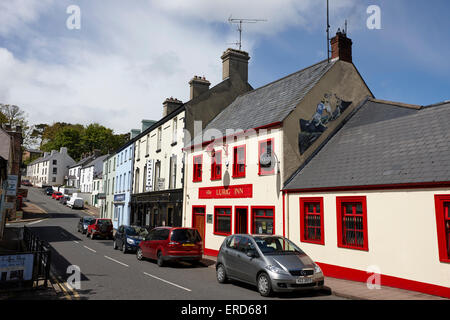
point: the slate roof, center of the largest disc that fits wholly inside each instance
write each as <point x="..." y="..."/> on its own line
<point x="94" y="161"/>
<point x="383" y="144"/>
<point x="271" y="103"/>
<point x="83" y="162"/>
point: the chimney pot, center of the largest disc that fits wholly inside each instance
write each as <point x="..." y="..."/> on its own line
<point x="341" y="47"/>
<point x="170" y="105"/>
<point x="198" y="85"/>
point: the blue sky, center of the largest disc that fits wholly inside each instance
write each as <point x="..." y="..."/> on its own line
<point x="128" y="57"/>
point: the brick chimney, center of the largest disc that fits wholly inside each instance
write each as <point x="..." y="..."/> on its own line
<point x="170" y="104"/>
<point x="341" y="47"/>
<point x="235" y="63"/>
<point x="198" y="86"/>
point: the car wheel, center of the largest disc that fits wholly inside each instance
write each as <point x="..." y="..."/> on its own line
<point x="124" y="249"/>
<point x="92" y="236"/>
<point x="87" y="234"/>
<point x="264" y="285"/>
<point x="221" y="274"/>
<point x="115" y="245"/>
<point x="139" y="254"/>
<point x="160" y="260"/>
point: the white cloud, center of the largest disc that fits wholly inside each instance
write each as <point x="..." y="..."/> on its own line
<point x="126" y="59"/>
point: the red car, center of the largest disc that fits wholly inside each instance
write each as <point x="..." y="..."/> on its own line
<point x="57" y="195"/>
<point x="171" y="244"/>
<point x="101" y="227"/>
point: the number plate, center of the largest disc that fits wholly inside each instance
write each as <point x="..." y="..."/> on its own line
<point x="304" y="280"/>
<point x="188" y="245"/>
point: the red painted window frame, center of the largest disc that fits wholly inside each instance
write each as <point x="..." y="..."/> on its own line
<point x="235" y="217"/>
<point x="215" y="177"/>
<point x="352" y="199"/>
<point x="252" y="217"/>
<point x="237" y="174"/>
<point x="203" y="214"/>
<point x="262" y="172"/>
<point x="303" y="214"/>
<point x="442" y="217"/>
<point x="215" y="223"/>
<point x="195" y="177"/>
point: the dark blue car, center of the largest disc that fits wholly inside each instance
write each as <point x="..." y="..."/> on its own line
<point x="127" y="238"/>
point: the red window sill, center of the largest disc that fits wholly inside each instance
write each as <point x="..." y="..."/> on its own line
<point x="196" y="181"/>
<point x="353" y="248"/>
<point x="216" y="179"/>
<point x="444" y="260"/>
<point x="240" y="176"/>
<point x="221" y="234"/>
<point x="313" y="242"/>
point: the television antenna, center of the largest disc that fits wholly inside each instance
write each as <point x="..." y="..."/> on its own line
<point x="328" y="30"/>
<point x="239" y="22"/>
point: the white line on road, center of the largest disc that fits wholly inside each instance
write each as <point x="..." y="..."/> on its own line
<point x="90" y="249"/>
<point x="75" y="241"/>
<point x="116" y="261"/>
<point x="31" y="223"/>
<point x="147" y="274"/>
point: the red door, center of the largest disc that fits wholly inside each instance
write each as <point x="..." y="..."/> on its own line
<point x="198" y="221"/>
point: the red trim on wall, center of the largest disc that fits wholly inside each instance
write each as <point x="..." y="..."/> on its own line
<point x="211" y="252"/>
<point x="218" y="233"/>
<point x="302" y="202"/>
<point x="252" y="217"/>
<point x="229" y="192"/>
<point x="263" y="172"/>
<point x="439" y="201"/>
<point x="420" y="185"/>
<point x="339" y="272"/>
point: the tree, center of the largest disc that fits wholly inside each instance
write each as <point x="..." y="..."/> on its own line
<point x="14" y="116"/>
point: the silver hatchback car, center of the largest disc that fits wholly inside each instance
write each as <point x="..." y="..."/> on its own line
<point x="272" y="263"/>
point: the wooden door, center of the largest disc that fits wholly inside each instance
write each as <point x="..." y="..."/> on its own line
<point x="199" y="222"/>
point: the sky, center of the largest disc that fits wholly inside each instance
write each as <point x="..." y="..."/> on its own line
<point x="127" y="57"/>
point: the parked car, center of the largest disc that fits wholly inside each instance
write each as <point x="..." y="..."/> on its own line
<point x="63" y="200"/>
<point x="84" y="223"/>
<point x="128" y="238"/>
<point x="272" y="263"/>
<point x="75" y="203"/>
<point x="57" y="195"/>
<point x="100" y="227"/>
<point x="171" y="244"/>
<point x="27" y="183"/>
<point x="48" y="191"/>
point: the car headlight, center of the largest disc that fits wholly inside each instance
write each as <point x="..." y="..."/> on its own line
<point x="130" y="241"/>
<point x="275" y="269"/>
<point x="85" y="226"/>
<point x="317" y="269"/>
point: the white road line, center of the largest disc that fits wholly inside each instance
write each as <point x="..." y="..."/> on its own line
<point x="75" y="241"/>
<point x="173" y="284"/>
<point x="90" y="249"/>
<point x="31" y="223"/>
<point x="116" y="261"/>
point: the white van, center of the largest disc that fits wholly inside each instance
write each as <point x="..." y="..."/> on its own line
<point x="75" y="203"/>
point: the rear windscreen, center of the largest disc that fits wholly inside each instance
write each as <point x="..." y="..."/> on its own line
<point x="185" y="235"/>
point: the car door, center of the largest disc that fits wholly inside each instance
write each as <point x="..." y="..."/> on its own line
<point x="159" y="241"/>
<point x="247" y="267"/>
<point x="145" y="245"/>
<point x="230" y="255"/>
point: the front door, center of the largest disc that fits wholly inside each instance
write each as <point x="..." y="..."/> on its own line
<point x="241" y="221"/>
<point x="199" y="222"/>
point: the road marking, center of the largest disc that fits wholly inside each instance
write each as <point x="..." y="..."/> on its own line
<point x="90" y="249"/>
<point x="173" y="284"/>
<point x="75" y="241"/>
<point x="116" y="261"/>
<point x="31" y="223"/>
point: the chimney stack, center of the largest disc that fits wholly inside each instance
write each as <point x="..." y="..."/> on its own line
<point x="341" y="47"/>
<point x="170" y="104"/>
<point x="235" y="63"/>
<point x="198" y="86"/>
<point x="147" y="124"/>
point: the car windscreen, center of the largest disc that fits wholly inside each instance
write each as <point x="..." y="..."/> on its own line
<point x="104" y="222"/>
<point x="186" y="236"/>
<point x="276" y="246"/>
<point x="88" y="220"/>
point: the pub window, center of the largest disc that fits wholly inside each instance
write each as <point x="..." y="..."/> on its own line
<point x="222" y="221"/>
<point x="239" y="162"/>
<point x="442" y="203"/>
<point x="266" y="162"/>
<point x="263" y="221"/>
<point x="159" y="139"/>
<point x="197" y="177"/>
<point x="174" y="130"/>
<point x="311" y="220"/>
<point x="352" y="223"/>
<point x="216" y="165"/>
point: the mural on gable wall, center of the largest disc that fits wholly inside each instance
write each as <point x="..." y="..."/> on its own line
<point x="311" y="130"/>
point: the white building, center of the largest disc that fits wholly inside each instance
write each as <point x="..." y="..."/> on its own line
<point x="90" y="171"/>
<point x="51" y="169"/>
<point x="74" y="177"/>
